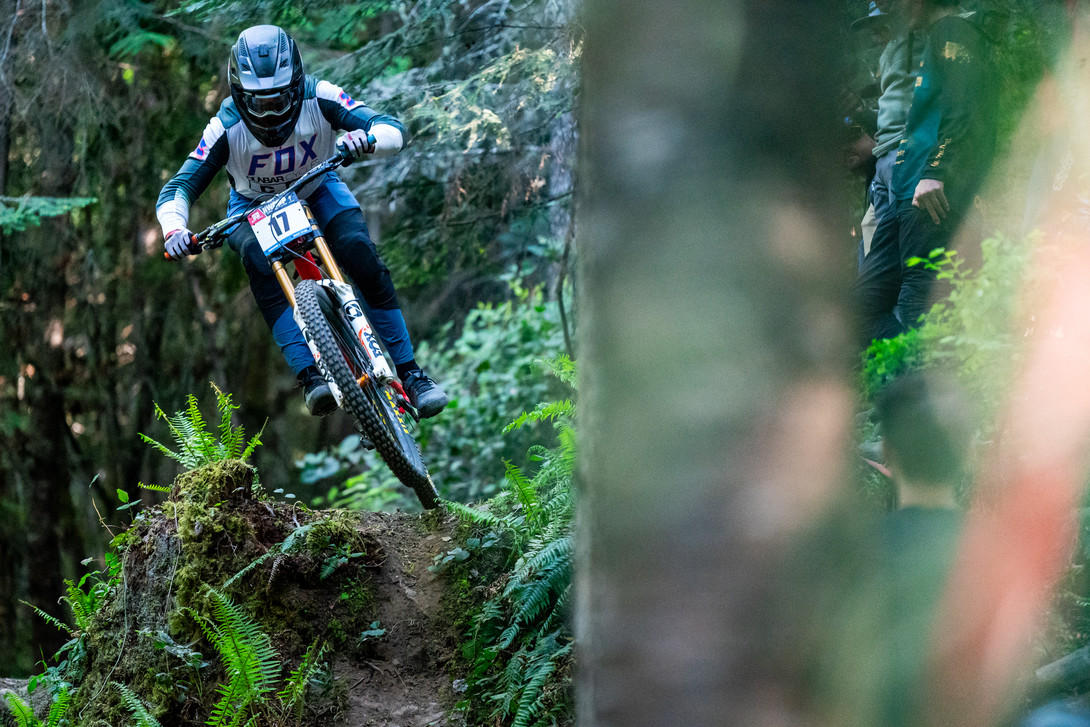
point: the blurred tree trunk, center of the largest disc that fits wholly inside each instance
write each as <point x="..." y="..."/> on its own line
<point x="11" y="514"/>
<point x="715" y="344"/>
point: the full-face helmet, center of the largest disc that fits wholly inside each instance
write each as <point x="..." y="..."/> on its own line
<point x="266" y="77"/>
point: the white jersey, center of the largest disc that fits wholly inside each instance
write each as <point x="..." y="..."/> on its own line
<point x="257" y="171"/>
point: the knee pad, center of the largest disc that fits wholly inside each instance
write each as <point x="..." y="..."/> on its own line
<point x="354" y="250"/>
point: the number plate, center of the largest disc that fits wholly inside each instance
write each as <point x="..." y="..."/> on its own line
<point x="275" y="227"/>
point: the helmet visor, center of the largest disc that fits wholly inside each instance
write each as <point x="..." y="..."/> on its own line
<point x="272" y="103"/>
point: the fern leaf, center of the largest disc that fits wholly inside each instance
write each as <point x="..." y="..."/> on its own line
<point x="162" y="448"/>
<point x="138" y="709"/>
<point x="272" y="552"/>
<point x="475" y="515"/>
<point x="78" y="601"/>
<point x="546" y="411"/>
<point x="524" y="491"/>
<point x="563" y="368"/>
<point x="293" y="695"/>
<point x="50" y="619"/>
<point x="553" y="554"/>
<point x="250" y="660"/>
<point x="24" y="715"/>
<point x="542" y="665"/>
<point x="285" y="546"/>
<point x="249" y="652"/>
<point x="231" y="437"/>
<point x="254" y="443"/>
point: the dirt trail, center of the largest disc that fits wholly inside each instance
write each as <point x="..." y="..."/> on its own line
<point x="408" y="683"/>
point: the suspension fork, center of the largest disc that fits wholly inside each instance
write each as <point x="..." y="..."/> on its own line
<point x="325" y="257"/>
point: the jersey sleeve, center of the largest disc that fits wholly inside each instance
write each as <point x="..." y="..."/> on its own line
<point x="194" y="176"/>
<point x="346" y="114"/>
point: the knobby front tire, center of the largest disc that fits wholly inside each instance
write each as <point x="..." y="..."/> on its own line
<point x="342" y="359"/>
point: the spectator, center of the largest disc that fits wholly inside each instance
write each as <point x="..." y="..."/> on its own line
<point x="892" y="572"/>
<point x="949" y="138"/>
<point x="897" y="69"/>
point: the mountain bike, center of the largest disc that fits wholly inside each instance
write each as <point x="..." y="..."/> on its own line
<point x="334" y="326"/>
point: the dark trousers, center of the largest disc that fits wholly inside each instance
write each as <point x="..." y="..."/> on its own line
<point x="891" y="295"/>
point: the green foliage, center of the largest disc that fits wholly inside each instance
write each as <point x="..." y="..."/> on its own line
<point x="253" y="668"/>
<point x="519" y="642"/>
<point x="971" y="331"/>
<point x="138" y="709"/>
<point x="24" y="715"/>
<point x="249" y="658"/>
<point x="888" y="358"/>
<point x="198" y="447"/>
<point x="51" y="620"/>
<point x="85" y="603"/>
<point x="293" y="696"/>
<point x="19" y="213"/>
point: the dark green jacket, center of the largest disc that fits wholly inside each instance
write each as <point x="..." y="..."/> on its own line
<point x="950" y="130"/>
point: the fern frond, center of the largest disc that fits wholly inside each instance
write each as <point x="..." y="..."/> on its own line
<point x="555" y="554"/>
<point x="254" y="443"/>
<point x="510" y="681"/>
<point x="563" y="368"/>
<point x="153" y="488"/>
<point x="247" y="650"/>
<point x="24" y="715"/>
<point x="543" y="412"/>
<point x="524" y="491"/>
<point x="231" y="437"/>
<point x="474" y="515"/>
<point x="50" y="619"/>
<point x="542" y="665"/>
<point x="80" y="603"/>
<point x="163" y="448"/>
<point x="251" y="662"/>
<point x="197" y="446"/>
<point x="285" y="546"/>
<point x="272" y="552"/>
<point x="138" y="709"/>
<point x="293" y="695"/>
<point x="194" y="425"/>
<point x="58" y="711"/>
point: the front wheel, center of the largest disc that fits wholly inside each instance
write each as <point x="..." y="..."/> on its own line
<point x="375" y="408"/>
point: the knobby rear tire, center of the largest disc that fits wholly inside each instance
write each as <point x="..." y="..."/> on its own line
<point x="342" y="359"/>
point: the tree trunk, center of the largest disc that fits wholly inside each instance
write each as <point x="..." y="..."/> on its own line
<point x="714" y="342"/>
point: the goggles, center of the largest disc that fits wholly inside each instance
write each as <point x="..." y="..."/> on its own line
<point x="273" y="103"/>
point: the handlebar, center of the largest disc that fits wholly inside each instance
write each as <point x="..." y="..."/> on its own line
<point x="214" y="235"/>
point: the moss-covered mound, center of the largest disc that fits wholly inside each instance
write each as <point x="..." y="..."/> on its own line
<point x="339" y="605"/>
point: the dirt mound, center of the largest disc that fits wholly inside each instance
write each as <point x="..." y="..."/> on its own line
<point x="357" y="583"/>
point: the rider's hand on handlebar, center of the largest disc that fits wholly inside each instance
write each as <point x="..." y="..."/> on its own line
<point x="180" y="244"/>
<point x="354" y="145"/>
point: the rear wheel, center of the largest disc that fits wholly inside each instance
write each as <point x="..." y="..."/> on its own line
<point x="375" y="408"/>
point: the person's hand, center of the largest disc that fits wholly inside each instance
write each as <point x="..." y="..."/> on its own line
<point x="179" y="244"/>
<point x="931" y="198"/>
<point x="354" y="145"/>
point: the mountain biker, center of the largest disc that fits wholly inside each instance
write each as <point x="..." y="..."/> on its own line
<point x="277" y="123"/>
